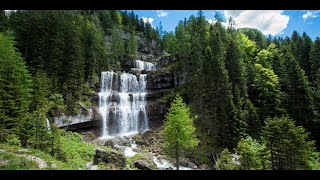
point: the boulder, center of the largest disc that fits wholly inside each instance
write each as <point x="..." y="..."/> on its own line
<point x="143" y="165"/>
<point x="109" y="156"/>
<point x="204" y="167"/>
<point x="140" y="142"/>
<point x="188" y="164"/>
<point x="135" y="71"/>
<point x="109" y="143"/>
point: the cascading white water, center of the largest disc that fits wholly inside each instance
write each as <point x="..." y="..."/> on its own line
<point x="48" y="125"/>
<point x="142" y="65"/>
<point x="122" y="102"/>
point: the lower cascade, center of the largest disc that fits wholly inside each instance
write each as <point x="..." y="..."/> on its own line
<point x="122" y="103"/>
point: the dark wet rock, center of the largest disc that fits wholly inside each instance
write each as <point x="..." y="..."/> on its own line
<point x="109" y="143"/>
<point x="141" y="142"/>
<point x="160" y="80"/>
<point x="188" y="164"/>
<point x="143" y="165"/>
<point x="109" y="156"/>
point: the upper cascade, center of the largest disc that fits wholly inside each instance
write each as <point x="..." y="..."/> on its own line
<point x="143" y="65"/>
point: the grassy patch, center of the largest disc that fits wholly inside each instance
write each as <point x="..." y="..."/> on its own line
<point x="107" y="148"/>
<point x="52" y="162"/>
<point x="9" y="161"/>
<point x="74" y="151"/>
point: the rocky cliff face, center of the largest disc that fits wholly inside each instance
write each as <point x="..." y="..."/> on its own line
<point x="159" y="82"/>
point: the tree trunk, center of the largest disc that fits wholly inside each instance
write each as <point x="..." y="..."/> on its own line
<point x="177" y="156"/>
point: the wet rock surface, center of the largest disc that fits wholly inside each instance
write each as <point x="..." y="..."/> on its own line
<point x="109" y="156"/>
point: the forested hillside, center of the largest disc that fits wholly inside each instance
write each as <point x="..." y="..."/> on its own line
<point x="252" y="97"/>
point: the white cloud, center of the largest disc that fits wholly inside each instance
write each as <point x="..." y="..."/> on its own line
<point x="213" y="21"/>
<point x="162" y="13"/>
<point x="310" y="14"/>
<point x="267" y="21"/>
<point x="147" y="19"/>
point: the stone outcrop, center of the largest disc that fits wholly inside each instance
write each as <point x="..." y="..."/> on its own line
<point x="159" y="80"/>
<point x="87" y="118"/>
<point x="144" y="165"/>
<point x="188" y="164"/>
<point x="109" y="156"/>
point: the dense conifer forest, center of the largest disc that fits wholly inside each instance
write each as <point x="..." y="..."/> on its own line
<point x="245" y="101"/>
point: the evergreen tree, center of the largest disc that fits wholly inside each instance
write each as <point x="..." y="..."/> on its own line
<point x="3" y="20"/>
<point x="117" y="45"/>
<point x="288" y="145"/>
<point x="304" y="60"/>
<point x="94" y="48"/>
<point x="179" y="130"/>
<point x="225" y="161"/>
<point x="183" y="40"/>
<point x="267" y="95"/>
<point x="148" y="31"/>
<point x="133" y="46"/>
<point x="15" y="85"/>
<point x="256" y="36"/>
<point x="299" y="102"/>
<point x="250" y="152"/>
<point x="106" y="20"/>
<point x="315" y="60"/>
<point x="41" y="90"/>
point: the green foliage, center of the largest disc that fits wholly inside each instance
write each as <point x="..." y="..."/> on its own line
<point x="75" y="157"/>
<point x="179" y="130"/>
<point x="256" y="36"/>
<point x="3" y="21"/>
<point x="132" y="45"/>
<point x="15" y="84"/>
<point x="267" y="94"/>
<point x="250" y="152"/>
<point x="67" y="46"/>
<point x="288" y="145"/>
<point x="13" y="162"/>
<point x="12" y="139"/>
<point x="315" y="60"/>
<point x="225" y="162"/>
<point x="41" y="89"/>
<point x="299" y="102"/>
<point x="117" y="44"/>
<point x="170" y="43"/>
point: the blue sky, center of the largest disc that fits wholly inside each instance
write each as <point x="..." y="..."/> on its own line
<point x="274" y="22"/>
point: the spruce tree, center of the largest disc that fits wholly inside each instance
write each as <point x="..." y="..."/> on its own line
<point x="288" y="145"/>
<point x="267" y="96"/>
<point x="299" y="102"/>
<point x="250" y="152"/>
<point x="315" y="60"/>
<point x="133" y="46"/>
<point x="117" y="45"/>
<point x="15" y="85"/>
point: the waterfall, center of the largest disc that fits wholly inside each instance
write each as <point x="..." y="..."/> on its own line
<point x="48" y="125"/>
<point x="142" y="65"/>
<point x="122" y="102"/>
